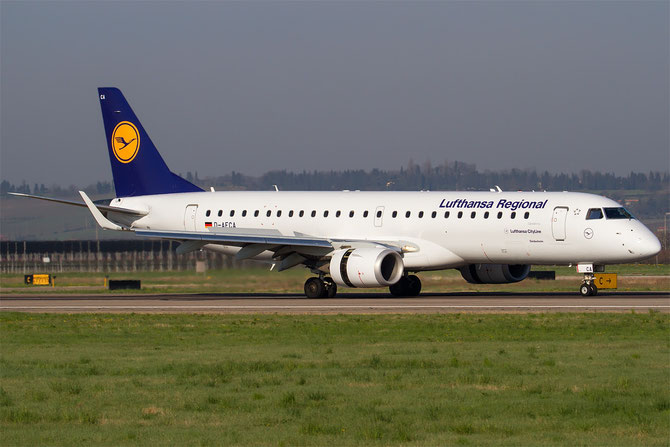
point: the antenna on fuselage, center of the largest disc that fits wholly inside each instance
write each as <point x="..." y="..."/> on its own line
<point x="496" y="189"/>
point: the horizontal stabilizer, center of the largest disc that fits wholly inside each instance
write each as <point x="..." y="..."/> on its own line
<point x="104" y="208"/>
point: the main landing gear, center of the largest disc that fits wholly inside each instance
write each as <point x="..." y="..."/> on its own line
<point x="409" y="285"/>
<point x="321" y="287"/>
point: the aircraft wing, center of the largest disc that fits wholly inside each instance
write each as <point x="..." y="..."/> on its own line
<point x="237" y="238"/>
<point x="288" y="251"/>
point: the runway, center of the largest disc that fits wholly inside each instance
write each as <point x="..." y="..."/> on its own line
<point x="354" y="303"/>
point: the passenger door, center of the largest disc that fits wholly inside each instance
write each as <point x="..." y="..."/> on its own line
<point x="558" y="222"/>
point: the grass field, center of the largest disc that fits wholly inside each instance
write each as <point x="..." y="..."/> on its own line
<point x="637" y="277"/>
<point x="456" y="379"/>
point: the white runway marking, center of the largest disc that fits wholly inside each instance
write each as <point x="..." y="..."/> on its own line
<point x="186" y="307"/>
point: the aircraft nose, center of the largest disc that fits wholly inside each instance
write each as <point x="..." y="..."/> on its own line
<point x="648" y="245"/>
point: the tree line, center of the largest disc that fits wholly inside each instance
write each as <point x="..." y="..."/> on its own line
<point x="447" y="176"/>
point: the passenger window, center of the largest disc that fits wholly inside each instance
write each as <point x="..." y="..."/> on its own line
<point x="220" y="213"/>
<point x="232" y="213"/>
<point x="290" y="213"/>
<point x="365" y="213"/>
<point x="526" y="215"/>
<point x="338" y="213"/>
<point x="394" y="214"/>
<point x="446" y="214"/>
<point x="499" y="214"/>
<point x="313" y="213"/>
<point x="244" y="213"/>
<point x="302" y="213"/>
<point x="594" y="213"/>
<point x="472" y="215"/>
<point x="513" y="215"/>
<point x="208" y="213"/>
<point x="379" y="213"/>
<point x="486" y="215"/>
<point x="460" y="214"/>
<point x="433" y="214"/>
<point x="256" y="213"/>
<point x="279" y="213"/>
<point x="325" y="214"/>
<point x="420" y="214"/>
<point x="407" y="214"/>
<point x="351" y="213"/>
<point x="269" y="213"/>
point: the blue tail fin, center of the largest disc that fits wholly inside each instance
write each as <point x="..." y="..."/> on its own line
<point x="137" y="167"/>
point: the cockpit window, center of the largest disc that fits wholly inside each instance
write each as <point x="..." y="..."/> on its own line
<point x="594" y="213"/>
<point x="618" y="213"/>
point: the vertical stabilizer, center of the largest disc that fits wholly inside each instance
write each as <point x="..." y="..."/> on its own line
<point x="137" y="167"/>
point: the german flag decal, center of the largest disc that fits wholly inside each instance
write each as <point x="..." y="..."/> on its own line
<point x="208" y="224"/>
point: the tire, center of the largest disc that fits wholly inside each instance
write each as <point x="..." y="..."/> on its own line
<point x="594" y="290"/>
<point x="585" y="290"/>
<point x="413" y="285"/>
<point x="399" y="288"/>
<point x="315" y="288"/>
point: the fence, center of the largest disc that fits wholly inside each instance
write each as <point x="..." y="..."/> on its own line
<point x="123" y="256"/>
<point x="106" y="256"/>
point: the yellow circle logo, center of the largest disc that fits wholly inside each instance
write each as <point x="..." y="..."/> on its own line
<point x="125" y="141"/>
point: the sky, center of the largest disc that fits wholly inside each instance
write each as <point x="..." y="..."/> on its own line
<point x="257" y="86"/>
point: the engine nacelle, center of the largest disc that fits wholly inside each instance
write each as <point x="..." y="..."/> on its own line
<point x="494" y="273"/>
<point x="366" y="267"/>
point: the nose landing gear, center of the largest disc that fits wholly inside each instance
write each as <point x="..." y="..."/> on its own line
<point x="588" y="287"/>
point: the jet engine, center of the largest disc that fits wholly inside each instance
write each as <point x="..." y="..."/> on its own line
<point x="366" y="267"/>
<point x="494" y="273"/>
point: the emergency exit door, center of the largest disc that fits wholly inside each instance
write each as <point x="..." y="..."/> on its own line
<point x="189" y="217"/>
<point x="558" y="222"/>
<point x="379" y="216"/>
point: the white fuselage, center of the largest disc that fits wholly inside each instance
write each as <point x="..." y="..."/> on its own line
<point x="479" y="227"/>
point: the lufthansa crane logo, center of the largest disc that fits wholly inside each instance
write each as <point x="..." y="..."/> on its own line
<point x="125" y="141"/>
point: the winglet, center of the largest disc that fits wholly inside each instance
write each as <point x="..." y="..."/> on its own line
<point x="97" y="215"/>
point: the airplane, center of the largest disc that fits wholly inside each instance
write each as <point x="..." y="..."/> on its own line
<point x="362" y="239"/>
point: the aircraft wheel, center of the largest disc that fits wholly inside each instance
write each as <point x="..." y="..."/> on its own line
<point x="594" y="290"/>
<point x="409" y="285"/>
<point x="585" y="290"/>
<point x="331" y="288"/>
<point x="399" y="288"/>
<point x="315" y="288"/>
<point x="413" y="285"/>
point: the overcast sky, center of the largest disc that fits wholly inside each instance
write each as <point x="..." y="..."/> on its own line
<point x="258" y="86"/>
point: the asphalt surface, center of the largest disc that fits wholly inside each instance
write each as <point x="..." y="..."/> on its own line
<point x="349" y="303"/>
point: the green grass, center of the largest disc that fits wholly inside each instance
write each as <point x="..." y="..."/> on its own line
<point x="456" y="379"/>
<point x="635" y="277"/>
